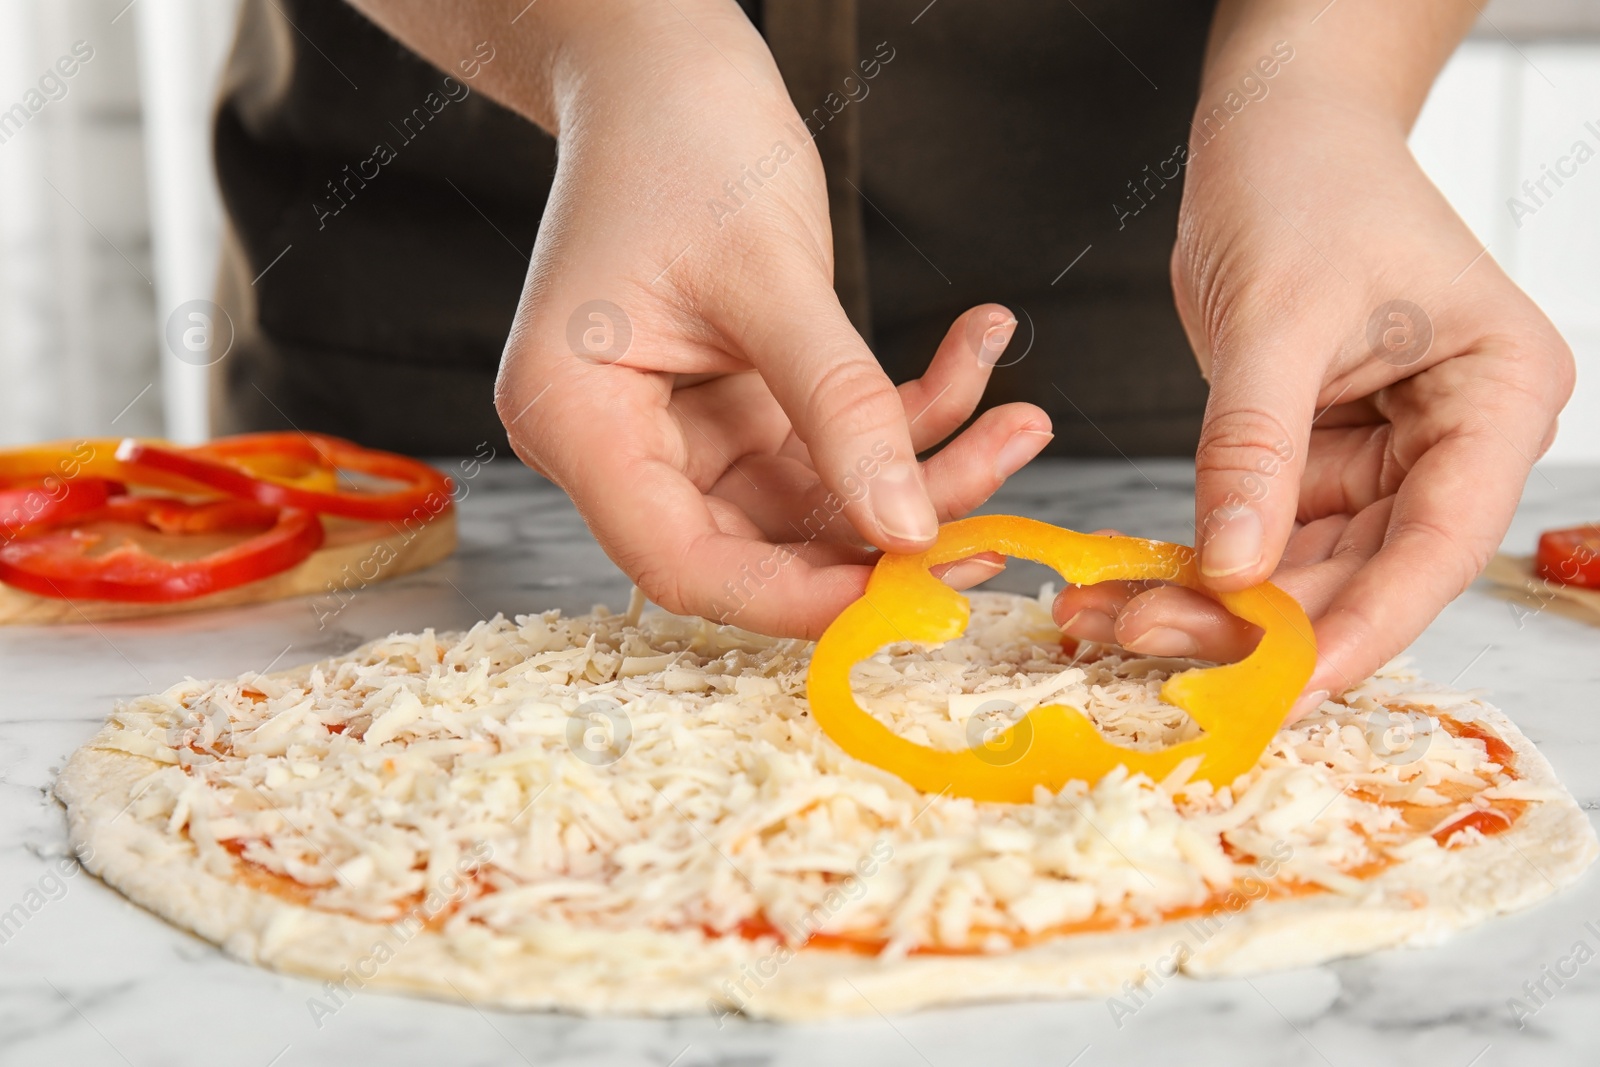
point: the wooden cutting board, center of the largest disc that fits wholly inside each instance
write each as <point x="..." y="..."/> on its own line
<point x="354" y="556"/>
<point x="1516" y="574"/>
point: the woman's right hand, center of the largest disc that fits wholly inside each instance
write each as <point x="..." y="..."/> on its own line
<point x="680" y="365"/>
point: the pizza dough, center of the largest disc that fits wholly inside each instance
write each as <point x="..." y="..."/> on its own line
<point x="636" y="814"/>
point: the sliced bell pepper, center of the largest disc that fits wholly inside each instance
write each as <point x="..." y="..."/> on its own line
<point x="287" y="468"/>
<point x="1239" y="706"/>
<point x="50" y="500"/>
<point x="92" y="457"/>
<point x="1570" y="557"/>
<point x="225" y="466"/>
<point x="166" y="515"/>
<point x="96" y="457"/>
<point x="56" y="562"/>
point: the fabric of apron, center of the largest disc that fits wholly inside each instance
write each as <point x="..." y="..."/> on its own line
<point x="992" y="147"/>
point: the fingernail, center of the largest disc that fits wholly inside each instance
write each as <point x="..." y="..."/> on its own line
<point x="995" y="339"/>
<point x="1163" y="641"/>
<point x="1235" y="547"/>
<point x="900" y="504"/>
<point x="970" y="572"/>
<point x="1307" y="704"/>
<point x="1091" y="624"/>
<point x="1015" y="453"/>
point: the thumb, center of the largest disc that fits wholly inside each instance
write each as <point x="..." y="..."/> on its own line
<point x="1250" y="460"/>
<point x="846" y="410"/>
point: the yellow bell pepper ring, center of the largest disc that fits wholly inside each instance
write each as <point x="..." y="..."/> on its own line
<point x="96" y="457"/>
<point x="1239" y="706"/>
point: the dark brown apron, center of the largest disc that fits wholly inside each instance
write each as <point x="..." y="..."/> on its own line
<point x="1004" y="151"/>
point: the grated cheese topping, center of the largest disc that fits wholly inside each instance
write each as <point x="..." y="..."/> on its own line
<point x="626" y="772"/>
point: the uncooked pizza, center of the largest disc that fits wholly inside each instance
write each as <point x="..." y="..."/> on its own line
<point x="639" y="813"/>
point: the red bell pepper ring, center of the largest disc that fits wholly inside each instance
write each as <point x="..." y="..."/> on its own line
<point x="29" y="503"/>
<point x="427" y="492"/>
<point x="171" y="516"/>
<point x="57" y="563"/>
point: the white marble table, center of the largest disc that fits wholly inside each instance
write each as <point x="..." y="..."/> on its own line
<point x="89" y="979"/>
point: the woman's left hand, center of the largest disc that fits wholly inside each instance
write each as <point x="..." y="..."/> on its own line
<point x="1379" y="392"/>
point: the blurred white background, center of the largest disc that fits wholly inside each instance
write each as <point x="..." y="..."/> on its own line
<point x="109" y="217"/>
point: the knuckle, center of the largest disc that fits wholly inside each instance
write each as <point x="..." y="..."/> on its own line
<point x="1565" y="371"/>
<point x="1238" y="292"/>
<point x="1544" y="368"/>
<point x="660" y="583"/>
<point x="671" y="580"/>
<point x="1392" y="467"/>
<point x="504" y="401"/>
<point x="510" y="405"/>
<point x="963" y="501"/>
<point x="1462" y="557"/>
<point x="1518" y="396"/>
<point x="852" y="398"/>
<point x="1234" y="441"/>
<point x="1380" y="646"/>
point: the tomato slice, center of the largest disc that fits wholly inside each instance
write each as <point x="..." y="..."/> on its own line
<point x="56" y="562"/>
<point x="1571" y="556"/>
<point x="226" y="466"/>
<point x="28" y="503"/>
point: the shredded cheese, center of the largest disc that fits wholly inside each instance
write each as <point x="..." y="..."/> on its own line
<point x="646" y="771"/>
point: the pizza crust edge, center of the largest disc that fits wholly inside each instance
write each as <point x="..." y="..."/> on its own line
<point x="658" y="973"/>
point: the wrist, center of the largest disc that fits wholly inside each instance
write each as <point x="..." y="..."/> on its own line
<point x="1375" y="63"/>
<point x="1274" y="134"/>
<point x="631" y="57"/>
<point x="556" y="57"/>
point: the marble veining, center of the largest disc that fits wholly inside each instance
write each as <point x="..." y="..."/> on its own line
<point x="87" y="978"/>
